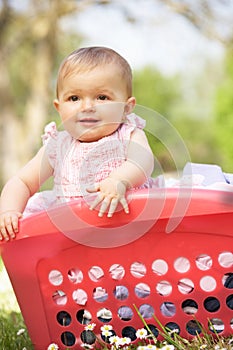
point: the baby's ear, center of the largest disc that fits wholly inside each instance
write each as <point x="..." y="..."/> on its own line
<point x="130" y="104"/>
<point x="56" y="104"/>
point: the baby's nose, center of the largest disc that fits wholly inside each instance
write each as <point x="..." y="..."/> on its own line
<point x="88" y="105"/>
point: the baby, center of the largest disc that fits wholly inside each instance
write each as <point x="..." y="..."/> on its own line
<point x="102" y="149"/>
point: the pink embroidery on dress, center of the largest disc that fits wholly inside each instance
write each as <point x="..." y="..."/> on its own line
<point x="78" y="166"/>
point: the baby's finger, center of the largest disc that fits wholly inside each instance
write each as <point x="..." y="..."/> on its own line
<point x="113" y="206"/>
<point x="98" y="199"/>
<point x="4" y="234"/>
<point x="15" y="223"/>
<point x="124" y="204"/>
<point x="9" y="227"/>
<point x="105" y="204"/>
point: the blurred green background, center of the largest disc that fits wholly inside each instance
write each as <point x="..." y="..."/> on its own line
<point x="180" y="53"/>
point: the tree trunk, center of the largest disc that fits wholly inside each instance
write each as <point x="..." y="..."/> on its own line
<point x="10" y="131"/>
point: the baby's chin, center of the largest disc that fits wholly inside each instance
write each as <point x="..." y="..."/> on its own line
<point x="95" y="134"/>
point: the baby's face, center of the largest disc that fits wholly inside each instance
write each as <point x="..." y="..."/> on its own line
<point x="92" y="104"/>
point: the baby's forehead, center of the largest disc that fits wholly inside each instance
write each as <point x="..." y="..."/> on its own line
<point x="82" y="68"/>
<point x="99" y="78"/>
<point x="101" y="73"/>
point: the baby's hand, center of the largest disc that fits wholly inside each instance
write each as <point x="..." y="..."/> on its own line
<point x="110" y="192"/>
<point x="9" y="224"/>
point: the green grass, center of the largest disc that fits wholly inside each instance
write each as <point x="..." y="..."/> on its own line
<point x="11" y="320"/>
<point x="13" y="332"/>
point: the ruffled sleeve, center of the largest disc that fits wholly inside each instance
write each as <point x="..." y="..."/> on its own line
<point x="135" y="121"/>
<point x="49" y="139"/>
<point x="50" y="130"/>
<point x="131" y="123"/>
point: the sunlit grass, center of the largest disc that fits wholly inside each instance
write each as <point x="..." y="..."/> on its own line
<point x="13" y="332"/>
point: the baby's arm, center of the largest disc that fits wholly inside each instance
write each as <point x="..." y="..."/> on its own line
<point x="132" y="173"/>
<point x="18" y="190"/>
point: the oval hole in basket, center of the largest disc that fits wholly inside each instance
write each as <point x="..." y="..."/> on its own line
<point x="88" y="337"/>
<point x="63" y="318"/>
<point x="189" y="306"/>
<point x="138" y="269"/>
<point x="153" y="329"/>
<point x="68" y="338"/>
<point x="204" y="262"/>
<point x="100" y="294"/>
<point x="227" y="280"/>
<point x="55" y="277"/>
<point x="83" y="316"/>
<point x="181" y="264"/>
<point x="159" y="267"/>
<point x="185" y="286"/>
<point x="172" y="327"/>
<point x="121" y="292"/>
<point x="104" y="315"/>
<point x="193" y="327"/>
<point x="95" y="273"/>
<point x="168" y="309"/>
<point x="75" y="275"/>
<point x="142" y="290"/>
<point x="129" y="332"/>
<point x="211" y="304"/>
<point x="79" y="296"/>
<point x="117" y="272"/>
<point x="225" y="259"/>
<point x="59" y="297"/>
<point x="164" y="288"/>
<point x="216" y="325"/>
<point x="125" y="313"/>
<point x="208" y="283"/>
<point x="146" y="310"/>
<point x="231" y="323"/>
<point x="229" y="301"/>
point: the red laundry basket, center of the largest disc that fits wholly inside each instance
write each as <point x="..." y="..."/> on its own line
<point x="171" y="256"/>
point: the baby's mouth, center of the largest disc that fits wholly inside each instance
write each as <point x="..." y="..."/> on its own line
<point x="88" y="121"/>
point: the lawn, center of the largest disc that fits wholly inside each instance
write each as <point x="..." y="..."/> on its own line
<point x="13" y="333"/>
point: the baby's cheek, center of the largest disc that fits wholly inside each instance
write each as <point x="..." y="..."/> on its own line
<point x="113" y="111"/>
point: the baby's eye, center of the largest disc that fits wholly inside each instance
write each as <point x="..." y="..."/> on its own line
<point x="102" y="97"/>
<point x="73" y="98"/>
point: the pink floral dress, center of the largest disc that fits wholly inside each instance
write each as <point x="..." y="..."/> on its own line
<point x="79" y="165"/>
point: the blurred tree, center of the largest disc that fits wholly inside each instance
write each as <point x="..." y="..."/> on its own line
<point x="193" y="115"/>
<point x="156" y="91"/>
<point x="31" y="42"/>
<point x="224" y="114"/>
<point x="213" y="143"/>
<point x="156" y="97"/>
<point x="28" y="49"/>
<point x="213" y="18"/>
<point x="32" y="45"/>
<point x="188" y="106"/>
